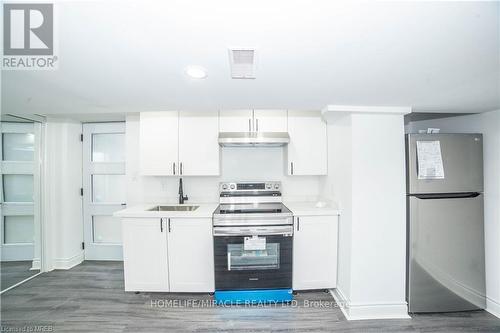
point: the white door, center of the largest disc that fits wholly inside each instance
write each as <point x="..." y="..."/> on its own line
<point x="190" y="255"/>
<point x="198" y="145"/>
<point x="236" y="121"/>
<point x="20" y="192"/>
<point x="270" y="120"/>
<point x="159" y="143"/>
<point x="307" y="150"/>
<point x="145" y="254"/>
<point x="104" y="189"/>
<point x="315" y="252"/>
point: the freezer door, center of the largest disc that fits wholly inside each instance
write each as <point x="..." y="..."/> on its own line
<point x="462" y="156"/>
<point x="445" y="254"/>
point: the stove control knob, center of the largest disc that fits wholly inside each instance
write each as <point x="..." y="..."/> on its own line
<point x="224" y="187"/>
<point x="276" y="186"/>
<point x="232" y="186"/>
<point x="268" y="186"/>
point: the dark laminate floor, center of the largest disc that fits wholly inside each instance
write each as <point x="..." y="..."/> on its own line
<point x="90" y="298"/>
<point x="12" y="272"/>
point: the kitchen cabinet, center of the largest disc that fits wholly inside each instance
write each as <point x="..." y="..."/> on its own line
<point x="315" y="252"/>
<point x="145" y="256"/>
<point x="270" y="120"/>
<point x="306" y="154"/>
<point x="168" y="254"/>
<point x="198" y="144"/>
<point x="177" y="143"/>
<point x="190" y="253"/>
<point x="235" y="120"/>
<point x="253" y="121"/>
<point x="159" y="143"/>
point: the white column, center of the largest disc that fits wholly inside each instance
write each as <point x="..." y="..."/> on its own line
<point x="367" y="178"/>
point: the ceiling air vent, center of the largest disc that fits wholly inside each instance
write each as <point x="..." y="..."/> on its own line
<point x="242" y="63"/>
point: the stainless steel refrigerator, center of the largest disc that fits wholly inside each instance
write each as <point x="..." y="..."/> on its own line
<point x="445" y="222"/>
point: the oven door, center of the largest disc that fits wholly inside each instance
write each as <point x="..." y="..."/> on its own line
<point x="253" y="257"/>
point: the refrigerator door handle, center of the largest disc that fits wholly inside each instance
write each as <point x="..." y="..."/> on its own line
<point x="447" y="195"/>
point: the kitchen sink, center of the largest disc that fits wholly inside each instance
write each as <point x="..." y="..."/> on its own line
<point x="172" y="208"/>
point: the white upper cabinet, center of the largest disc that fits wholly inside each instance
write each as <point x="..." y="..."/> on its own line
<point x="270" y="120"/>
<point x="198" y="145"/>
<point x="253" y="121"/>
<point x="235" y="120"/>
<point x="307" y="150"/>
<point x="177" y="143"/>
<point x="159" y="143"/>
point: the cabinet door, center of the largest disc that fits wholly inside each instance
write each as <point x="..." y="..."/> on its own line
<point x="198" y="145"/>
<point x="159" y="143"/>
<point x="307" y="150"/>
<point x="236" y="121"/>
<point x="270" y="120"/>
<point x="190" y="254"/>
<point x="315" y="252"/>
<point x="145" y="254"/>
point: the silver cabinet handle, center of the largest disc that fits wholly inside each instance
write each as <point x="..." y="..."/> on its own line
<point x="249" y="124"/>
<point x="298" y="223"/>
<point x="161" y="224"/>
<point x="291" y="168"/>
<point x="169" y="228"/>
<point x="181" y="168"/>
<point x="229" y="261"/>
<point x="173" y="168"/>
<point x="256" y="125"/>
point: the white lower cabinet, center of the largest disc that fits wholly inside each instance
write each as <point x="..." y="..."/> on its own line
<point x="315" y="252"/>
<point x="145" y="258"/>
<point x="169" y="255"/>
<point x="190" y="255"/>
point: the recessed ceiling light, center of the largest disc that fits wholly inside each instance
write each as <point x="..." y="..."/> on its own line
<point x="196" y="72"/>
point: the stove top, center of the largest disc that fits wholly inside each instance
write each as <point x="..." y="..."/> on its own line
<point x="251" y="204"/>
<point x="253" y="208"/>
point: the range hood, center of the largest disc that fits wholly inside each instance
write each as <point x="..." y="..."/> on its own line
<point x="253" y="139"/>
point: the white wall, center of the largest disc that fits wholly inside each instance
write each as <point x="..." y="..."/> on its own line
<point x="487" y="123"/>
<point x="338" y="188"/>
<point x="236" y="164"/>
<point x="63" y="228"/>
<point x="367" y="178"/>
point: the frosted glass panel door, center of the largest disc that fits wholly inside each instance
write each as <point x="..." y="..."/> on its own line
<point x="20" y="191"/>
<point x="104" y="190"/>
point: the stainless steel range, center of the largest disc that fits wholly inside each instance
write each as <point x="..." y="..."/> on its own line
<point x="253" y="236"/>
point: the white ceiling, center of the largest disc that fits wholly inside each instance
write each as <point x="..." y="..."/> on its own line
<point x="129" y="56"/>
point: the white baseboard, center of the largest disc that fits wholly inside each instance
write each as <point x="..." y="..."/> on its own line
<point x="369" y="311"/>
<point x="493" y="307"/>
<point x="67" y="263"/>
<point x="36" y="265"/>
<point x="341" y="300"/>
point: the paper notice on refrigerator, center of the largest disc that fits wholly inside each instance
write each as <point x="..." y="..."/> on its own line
<point x="429" y="159"/>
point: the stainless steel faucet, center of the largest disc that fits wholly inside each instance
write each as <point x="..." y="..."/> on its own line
<point x="182" y="197"/>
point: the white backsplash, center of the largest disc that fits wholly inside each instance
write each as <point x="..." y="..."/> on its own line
<point x="237" y="164"/>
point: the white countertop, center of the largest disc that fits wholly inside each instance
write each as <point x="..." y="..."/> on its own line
<point x="207" y="209"/>
<point x="204" y="210"/>
<point x="310" y="208"/>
